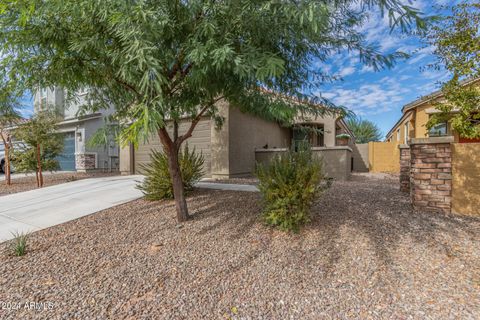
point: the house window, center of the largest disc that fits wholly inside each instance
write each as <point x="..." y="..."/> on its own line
<point x="406" y="135"/>
<point x="438" y="130"/>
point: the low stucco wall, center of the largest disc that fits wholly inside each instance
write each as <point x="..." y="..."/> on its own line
<point x="360" y="157"/>
<point x="336" y="160"/>
<point x="266" y="155"/>
<point x="466" y="178"/>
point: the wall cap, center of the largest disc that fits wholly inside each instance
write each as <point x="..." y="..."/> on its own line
<point x="403" y="146"/>
<point x="271" y="149"/>
<point x="312" y="148"/>
<point x="432" y="140"/>
<point x="332" y="148"/>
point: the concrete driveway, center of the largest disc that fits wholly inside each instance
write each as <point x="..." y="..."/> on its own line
<point x="42" y="208"/>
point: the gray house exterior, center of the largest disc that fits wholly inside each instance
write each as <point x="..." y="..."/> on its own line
<point x="77" y="130"/>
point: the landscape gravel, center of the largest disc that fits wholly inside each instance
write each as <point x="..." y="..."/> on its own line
<point x="245" y="180"/>
<point x="21" y="183"/>
<point x="365" y="255"/>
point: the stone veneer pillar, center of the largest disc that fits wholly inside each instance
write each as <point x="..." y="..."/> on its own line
<point x="404" y="167"/>
<point x="86" y="161"/>
<point x="431" y="174"/>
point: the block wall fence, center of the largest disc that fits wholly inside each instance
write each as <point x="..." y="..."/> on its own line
<point x="383" y="157"/>
<point x="441" y="176"/>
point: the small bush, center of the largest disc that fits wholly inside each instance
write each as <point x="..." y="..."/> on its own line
<point x="157" y="184"/>
<point x="18" y="246"/>
<point x="289" y="184"/>
<point x="71" y="178"/>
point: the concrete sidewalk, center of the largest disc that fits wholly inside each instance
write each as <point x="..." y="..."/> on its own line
<point x="42" y="208"/>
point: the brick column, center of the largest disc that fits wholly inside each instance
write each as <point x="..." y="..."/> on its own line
<point x="404" y="168"/>
<point x="431" y="174"/>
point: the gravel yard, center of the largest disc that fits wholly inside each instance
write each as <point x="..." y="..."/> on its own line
<point x="365" y="255"/>
<point x="245" y="180"/>
<point x="21" y="183"/>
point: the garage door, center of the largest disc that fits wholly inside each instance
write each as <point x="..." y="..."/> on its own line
<point x="67" y="158"/>
<point x="200" y="140"/>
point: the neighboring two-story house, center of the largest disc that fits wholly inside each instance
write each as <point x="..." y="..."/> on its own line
<point x="77" y="130"/>
<point x="415" y="116"/>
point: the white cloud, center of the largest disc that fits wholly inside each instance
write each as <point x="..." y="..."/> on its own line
<point x="421" y="54"/>
<point x="347" y="71"/>
<point x="366" y="68"/>
<point x="369" y="99"/>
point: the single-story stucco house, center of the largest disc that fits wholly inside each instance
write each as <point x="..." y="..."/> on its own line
<point x="244" y="139"/>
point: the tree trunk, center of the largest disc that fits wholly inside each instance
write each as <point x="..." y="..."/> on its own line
<point x="7" y="165"/>
<point x="178" y="188"/>
<point x="39" y="167"/>
<point x="171" y="150"/>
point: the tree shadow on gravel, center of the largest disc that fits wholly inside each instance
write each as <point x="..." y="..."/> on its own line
<point x="378" y="210"/>
<point x="238" y="211"/>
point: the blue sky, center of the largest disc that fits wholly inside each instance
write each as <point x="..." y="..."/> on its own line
<point x="379" y="96"/>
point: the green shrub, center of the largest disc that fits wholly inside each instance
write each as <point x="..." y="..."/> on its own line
<point x="157" y="184"/>
<point x="18" y="246"/>
<point x="289" y="184"/>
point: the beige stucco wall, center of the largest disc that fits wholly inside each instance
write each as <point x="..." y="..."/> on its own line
<point x="360" y="157"/>
<point x="230" y="149"/>
<point x="466" y="178"/>
<point x="126" y="160"/>
<point x="220" y="144"/>
<point x="247" y="133"/>
<point x="336" y="160"/>
<point x="384" y="157"/>
<point x="200" y="140"/>
<point x="266" y="155"/>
